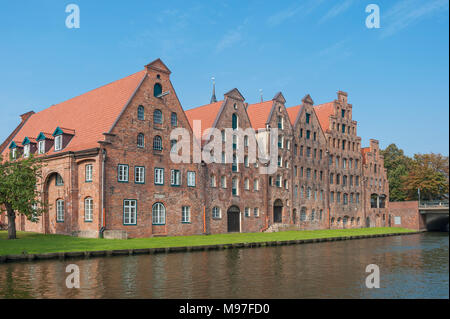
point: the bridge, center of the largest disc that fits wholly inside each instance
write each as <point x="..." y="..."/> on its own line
<point x="435" y="214"/>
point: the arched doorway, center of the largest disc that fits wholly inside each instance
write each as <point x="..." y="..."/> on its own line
<point x="294" y="216"/>
<point x="278" y="211"/>
<point x="53" y="192"/>
<point x="234" y="219"/>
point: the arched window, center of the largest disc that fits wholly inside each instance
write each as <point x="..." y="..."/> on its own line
<point x="157" y="90"/>
<point x="140" y="113"/>
<point x="157" y="143"/>
<point x="88" y="209"/>
<point x="234" y="121"/>
<point x="158" y="214"/>
<point x="174" y="119"/>
<point x="60" y="211"/>
<point x="157" y="117"/>
<point x="140" y="140"/>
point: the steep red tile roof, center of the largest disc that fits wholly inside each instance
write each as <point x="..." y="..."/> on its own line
<point x="89" y="115"/>
<point x="259" y="114"/>
<point x="207" y="114"/>
<point x="323" y="112"/>
<point x="293" y="112"/>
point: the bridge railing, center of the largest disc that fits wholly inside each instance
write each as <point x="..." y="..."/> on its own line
<point x="433" y="203"/>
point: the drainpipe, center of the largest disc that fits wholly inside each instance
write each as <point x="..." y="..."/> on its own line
<point x="102" y="229"/>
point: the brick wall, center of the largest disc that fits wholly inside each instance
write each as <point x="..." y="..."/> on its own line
<point x="408" y="213"/>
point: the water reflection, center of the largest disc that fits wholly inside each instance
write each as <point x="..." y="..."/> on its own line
<point x="414" y="266"/>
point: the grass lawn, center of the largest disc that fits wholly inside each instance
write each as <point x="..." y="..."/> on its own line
<point x="33" y="243"/>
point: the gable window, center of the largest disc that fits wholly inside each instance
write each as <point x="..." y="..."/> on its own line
<point x="308" y="117"/>
<point x="191" y="179"/>
<point x="60" y="211"/>
<point x="280" y="141"/>
<point x="158" y="214"/>
<point x="58" y="143"/>
<point x="174" y="119"/>
<point x="247" y="212"/>
<point x="59" y="180"/>
<point x="157" y="117"/>
<point x="247" y="184"/>
<point x="129" y="212"/>
<point x="88" y="209"/>
<point x="213" y="181"/>
<point x="223" y="136"/>
<point x="157" y="90"/>
<point x="14" y="153"/>
<point x="159" y="176"/>
<point x="223" y="182"/>
<point x="280" y="122"/>
<point x="140" y="140"/>
<point x="88" y="172"/>
<point x="343" y="113"/>
<point x="343" y="128"/>
<point x="278" y="181"/>
<point x="175" y="177"/>
<point x="140" y="113"/>
<point x="139" y="174"/>
<point x="308" y="134"/>
<point x="186" y="214"/>
<point x="173" y="146"/>
<point x="122" y="173"/>
<point x="234" y="166"/>
<point x="157" y="143"/>
<point x="256" y="185"/>
<point x="234" y="121"/>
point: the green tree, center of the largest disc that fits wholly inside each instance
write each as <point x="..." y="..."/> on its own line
<point x="427" y="173"/>
<point x="398" y="166"/>
<point x="19" y="192"/>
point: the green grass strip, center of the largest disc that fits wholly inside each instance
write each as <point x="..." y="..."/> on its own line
<point x="34" y="243"/>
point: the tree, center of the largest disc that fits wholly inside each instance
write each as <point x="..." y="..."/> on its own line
<point x="398" y="166"/>
<point x="428" y="173"/>
<point x="19" y="192"/>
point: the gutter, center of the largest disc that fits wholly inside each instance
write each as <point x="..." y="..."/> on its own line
<point x="102" y="229"/>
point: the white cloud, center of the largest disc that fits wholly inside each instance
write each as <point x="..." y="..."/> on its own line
<point x="229" y="39"/>
<point x="336" y="10"/>
<point x="299" y="10"/>
<point x="408" y="12"/>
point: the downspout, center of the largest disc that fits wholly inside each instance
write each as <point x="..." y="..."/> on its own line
<point x="102" y="229"/>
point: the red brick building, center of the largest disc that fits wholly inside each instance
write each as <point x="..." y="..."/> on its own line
<point x="110" y="167"/>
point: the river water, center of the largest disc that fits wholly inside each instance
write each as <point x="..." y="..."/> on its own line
<point x="413" y="266"/>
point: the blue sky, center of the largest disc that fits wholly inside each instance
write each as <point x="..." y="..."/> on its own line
<point x="396" y="76"/>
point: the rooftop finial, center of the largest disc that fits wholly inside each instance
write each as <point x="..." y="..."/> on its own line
<point x="213" y="97"/>
<point x="261" y="93"/>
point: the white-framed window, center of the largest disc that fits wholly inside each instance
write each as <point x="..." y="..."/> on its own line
<point x="60" y="210"/>
<point x="41" y="147"/>
<point x="247" y="211"/>
<point x="122" y="173"/>
<point x="235" y="186"/>
<point x="173" y="146"/>
<point x="213" y="181"/>
<point x="59" y="180"/>
<point x="216" y="213"/>
<point x="139" y="174"/>
<point x="14" y="153"/>
<point x="88" y="209"/>
<point x="58" y="143"/>
<point x="223" y="181"/>
<point x="140" y="140"/>
<point x="191" y="179"/>
<point x="129" y="211"/>
<point x="256" y="212"/>
<point x="158" y="214"/>
<point x="88" y="172"/>
<point x="186" y="214"/>
<point x="256" y="185"/>
<point x="141" y="113"/>
<point x="175" y="177"/>
<point x="247" y="184"/>
<point x="26" y="151"/>
<point x="159" y="176"/>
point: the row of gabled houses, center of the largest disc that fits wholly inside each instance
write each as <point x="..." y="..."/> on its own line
<point x="110" y="169"/>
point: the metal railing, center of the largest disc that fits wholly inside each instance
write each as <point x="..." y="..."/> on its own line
<point x="433" y="203"/>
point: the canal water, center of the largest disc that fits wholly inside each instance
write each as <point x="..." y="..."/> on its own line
<point x="413" y="266"/>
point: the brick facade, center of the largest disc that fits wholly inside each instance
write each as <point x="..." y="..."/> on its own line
<point x="303" y="191"/>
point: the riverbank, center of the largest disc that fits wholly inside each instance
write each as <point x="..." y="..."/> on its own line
<point x="30" y="246"/>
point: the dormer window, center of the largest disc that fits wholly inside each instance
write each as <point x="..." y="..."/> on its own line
<point x="58" y="143"/>
<point x="14" y="150"/>
<point x="62" y="137"/>
<point x="14" y="153"/>
<point x="41" y="147"/>
<point x="26" y="151"/>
